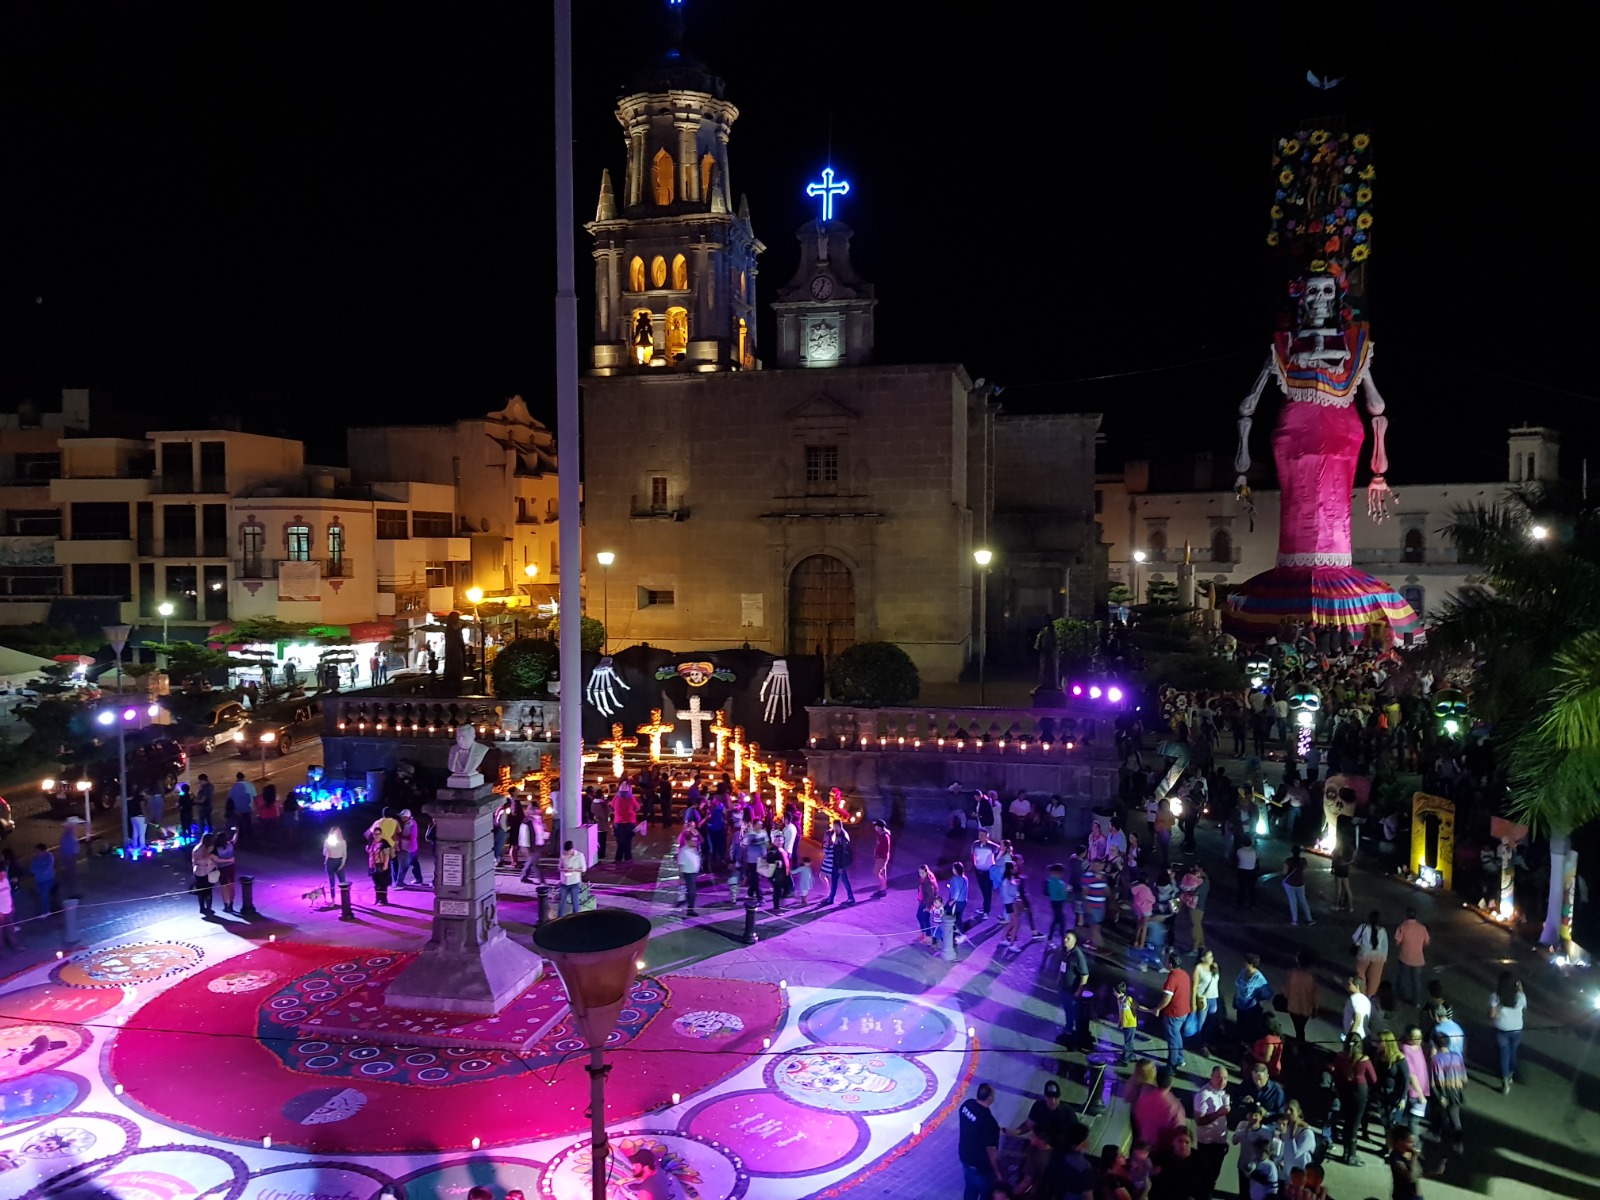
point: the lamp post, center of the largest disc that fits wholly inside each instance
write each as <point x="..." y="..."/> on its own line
<point x="605" y="558"/>
<point x="983" y="558"/>
<point x="475" y="598"/>
<point x="117" y="638"/>
<point x="532" y="572"/>
<point x="166" y="610"/>
<point x="1138" y="557"/>
<point x="598" y="954"/>
<point x="267" y="738"/>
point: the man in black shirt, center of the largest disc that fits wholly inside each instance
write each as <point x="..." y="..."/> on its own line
<point x="1070" y="982"/>
<point x="980" y="1144"/>
<point x="1047" y="1116"/>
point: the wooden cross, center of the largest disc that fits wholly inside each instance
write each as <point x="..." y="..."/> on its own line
<point x="617" y="744"/>
<point x="544" y="777"/>
<point x="654" y="730"/>
<point x="720" y="729"/>
<point x="781" y="788"/>
<point x="808" y="803"/>
<point x="697" y="716"/>
<point x="755" y="766"/>
<point x="738" y="747"/>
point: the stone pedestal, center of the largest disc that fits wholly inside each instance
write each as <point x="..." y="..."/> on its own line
<point x="469" y="964"/>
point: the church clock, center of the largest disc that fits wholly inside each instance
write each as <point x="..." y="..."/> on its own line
<point x="822" y="287"/>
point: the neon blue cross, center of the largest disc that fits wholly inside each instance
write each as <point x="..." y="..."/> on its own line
<point x="828" y="189"/>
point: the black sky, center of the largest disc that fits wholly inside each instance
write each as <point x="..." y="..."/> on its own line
<point x="325" y="216"/>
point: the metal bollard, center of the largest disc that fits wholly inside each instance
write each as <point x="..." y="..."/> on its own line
<point x="947" y="929"/>
<point x="69" y="920"/>
<point x="750" y="920"/>
<point x="547" y="903"/>
<point x="247" y="903"/>
<point x="346" y="913"/>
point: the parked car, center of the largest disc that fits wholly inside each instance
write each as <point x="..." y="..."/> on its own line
<point x="210" y="728"/>
<point x="155" y="761"/>
<point x="288" y="723"/>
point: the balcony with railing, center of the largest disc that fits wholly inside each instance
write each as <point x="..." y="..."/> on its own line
<point x="271" y="568"/>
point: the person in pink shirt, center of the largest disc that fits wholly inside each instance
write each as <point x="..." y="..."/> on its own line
<point x="624" y="816"/>
<point x="1416" y="1074"/>
<point x="406" y="859"/>
<point x="1411" y="939"/>
<point x="1158" y="1114"/>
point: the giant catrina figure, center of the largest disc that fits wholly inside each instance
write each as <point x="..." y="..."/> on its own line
<point x="1321" y="357"/>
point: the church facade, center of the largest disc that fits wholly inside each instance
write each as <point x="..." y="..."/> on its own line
<point x="800" y="507"/>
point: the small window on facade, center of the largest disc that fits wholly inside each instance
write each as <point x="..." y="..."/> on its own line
<point x="432" y="525"/>
<point x="1415" y="546"/>
<point x="658" y="272"/>
<point x="680" y="273"/>
<point x="1222" y="546"/>
<point x="822" y="464"/>
<point x="744" y="344"/>
<point x="298" y="538"/>
<point x="708" y="168"/>
<point x="252" y="548"/>
<point x="336" y="543"/>
<point x="1414" y="597"/>
<point x="1158" y="544"/>
<point x="1099" y="502"/>
<point x="636" y="275"/>
<point x="661" y="171"/>
<point x="656" y="598"/>
<point x="677" y="332"/>
<point x="394" y="524"/>
<point x="658" y="493"/>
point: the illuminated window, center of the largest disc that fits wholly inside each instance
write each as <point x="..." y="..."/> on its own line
<point x="677" y="332"/>
<point x="822" y="464"/>
<point x="658" y="493"/>
<point x="336" y="543"/>
<point x="643" y="336"/>
<point x="658" y="272"/>
<point x="744" y="344"/>
<point x="661" y="177"/>
<point x="636" y="275"/>
<point x="708" y="167"/>
<point x="1222" y="546"/>
<point x="743" y="293"/>
<point x="298" y="539"/>
<point x="680" y="274"/>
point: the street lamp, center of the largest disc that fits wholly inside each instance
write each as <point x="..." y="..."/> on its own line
<point x="117" y="637"/>
<point x="605" y="558"/>
<point x="983" y="558"/>
<point x="1139" y="557"/>
<point x="475" y="598"/>
<point x="532" y="572"/>
<point x="598" y="955"/>
<point x="166" y="609"/>
<point x="1539" y="533"/>
<point x="267" y="738"/>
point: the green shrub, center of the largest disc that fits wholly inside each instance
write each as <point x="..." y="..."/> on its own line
<point x="874" y="674"/>
<point x="522" y="668"/>
<point x="592" y="633"/>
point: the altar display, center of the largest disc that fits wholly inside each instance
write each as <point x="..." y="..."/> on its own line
<point x="1321" y="357"/>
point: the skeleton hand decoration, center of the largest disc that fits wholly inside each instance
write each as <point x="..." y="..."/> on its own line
<point x="775" y="692"/>
<point x="602" y="688"/>
<point x="1378" y="498"/>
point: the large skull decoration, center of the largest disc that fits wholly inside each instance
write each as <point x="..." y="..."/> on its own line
<point x="1450" y="707"/>
<point x="1258" y="667"/>
<point x="1305" y="704"/>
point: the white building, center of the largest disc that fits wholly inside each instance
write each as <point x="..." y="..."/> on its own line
<point x="1410" y="550"/>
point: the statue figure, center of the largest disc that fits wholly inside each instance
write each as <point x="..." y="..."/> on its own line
<point x="455" y="654"/>
<point x="644" y="331"/>
<point x="465" y="757"/>
<point x="1049" y="649"/>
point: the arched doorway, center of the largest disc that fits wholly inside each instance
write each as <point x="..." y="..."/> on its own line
<point x="822" y="607"/>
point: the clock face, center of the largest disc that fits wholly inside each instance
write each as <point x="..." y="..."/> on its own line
<point x="822" y="287"/>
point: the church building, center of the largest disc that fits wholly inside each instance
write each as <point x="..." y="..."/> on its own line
<point x="801" y="505"/>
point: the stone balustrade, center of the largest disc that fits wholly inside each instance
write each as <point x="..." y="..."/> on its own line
<point x="986" y="731"/>
<point x="419" y="718"/>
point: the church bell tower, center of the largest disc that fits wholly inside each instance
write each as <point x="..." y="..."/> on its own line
<point x="825" y="312"/>
<point x="674" y="259"/>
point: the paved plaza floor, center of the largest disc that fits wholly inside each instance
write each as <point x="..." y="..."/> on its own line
<point x="154" y="1060"/>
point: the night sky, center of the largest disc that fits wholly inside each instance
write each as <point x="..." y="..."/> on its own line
<point x="321" y="217"/>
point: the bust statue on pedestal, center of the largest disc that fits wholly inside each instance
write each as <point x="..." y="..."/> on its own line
<point x="465" y="758"/>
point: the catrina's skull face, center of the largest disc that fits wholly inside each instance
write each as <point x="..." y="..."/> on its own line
<point x="1321" y="299"/>
<point x="1305" y="701"/>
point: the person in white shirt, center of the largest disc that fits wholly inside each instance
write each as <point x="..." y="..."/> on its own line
<point x="1506" y="1009"/>
<point x="1357" y="1009"/>
<point x="572" y="868"/>
<point x="1211" y="1107"/>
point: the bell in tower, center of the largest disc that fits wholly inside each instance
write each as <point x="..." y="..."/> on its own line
<point x="675" y="261"/>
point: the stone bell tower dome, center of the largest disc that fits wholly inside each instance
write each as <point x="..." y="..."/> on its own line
<point x="674" y="257"/>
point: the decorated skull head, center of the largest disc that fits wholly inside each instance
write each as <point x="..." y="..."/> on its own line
<point x="1258" y="667"/>
<point x="1450" y="707"/>
<point x="1320" y="300"/>
<point x="1304" y="703"/>
<point x="835" y="1074"/>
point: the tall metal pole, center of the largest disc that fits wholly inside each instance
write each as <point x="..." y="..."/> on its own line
<point x="570" y="648"/>
<point x="599" y="1147"/>
<point x="117" y="637"/>
<point x="983" y="628"/>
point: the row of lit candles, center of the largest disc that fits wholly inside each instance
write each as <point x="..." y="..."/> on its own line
<point x="959" y="743"/>
<point x="497" y="731"/>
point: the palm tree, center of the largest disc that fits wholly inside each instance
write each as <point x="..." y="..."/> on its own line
<point x="1534" y="625"/>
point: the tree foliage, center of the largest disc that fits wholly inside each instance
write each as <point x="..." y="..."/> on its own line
<point x="191" y="660"/>
<point x="523" y="667"/>
<point x="592" y="633"/>
<point x="874" y="674"/>
<point x="47" y="641"/>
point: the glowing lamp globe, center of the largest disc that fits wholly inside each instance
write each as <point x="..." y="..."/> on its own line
<point x="106" y="718"/>
<point x="596" y="953"/>
<point x="1094" y="692"/>
<point x="1114" y="695"/>
<point x="1077" y="689"/>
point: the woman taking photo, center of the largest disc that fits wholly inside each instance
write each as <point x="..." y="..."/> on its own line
<point x="204" y="865"/>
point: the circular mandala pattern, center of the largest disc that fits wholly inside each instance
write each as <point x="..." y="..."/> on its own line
<point x="846" y="1080"/>
<point x="886" y="1022"/>
<point x="61" y="1141"/>
<point x="130" y="964"/>
<point x="236" y="982"/>
<point x="700" y="1170"/>
<point x="39" y="1095"/>
<point x="772" y="1135"/>
<point x="159" y="1173"/>
<point x="325" y="1106"/>
<point x="34" y="1046"/>
<point x="708" y="1025"/>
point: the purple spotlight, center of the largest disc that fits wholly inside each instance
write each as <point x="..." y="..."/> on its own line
<point x="1094" y="692"/>
<point x="1077" y="689"/>
<point x="129" y="714"/>
<point x="1114" y="695"/>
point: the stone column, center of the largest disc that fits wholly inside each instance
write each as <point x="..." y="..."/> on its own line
<point x="688" y="167"/>
<point x="469" y="964"/>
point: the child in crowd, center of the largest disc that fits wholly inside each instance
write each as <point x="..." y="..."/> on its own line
<point x="1127" y="1019"/>
<point x="1140" y="1170"/>
<point x="803" y="881"/>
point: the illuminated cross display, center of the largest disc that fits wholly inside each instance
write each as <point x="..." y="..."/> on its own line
<point x="828" y="189"/>
<point x="696" y="716"/>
